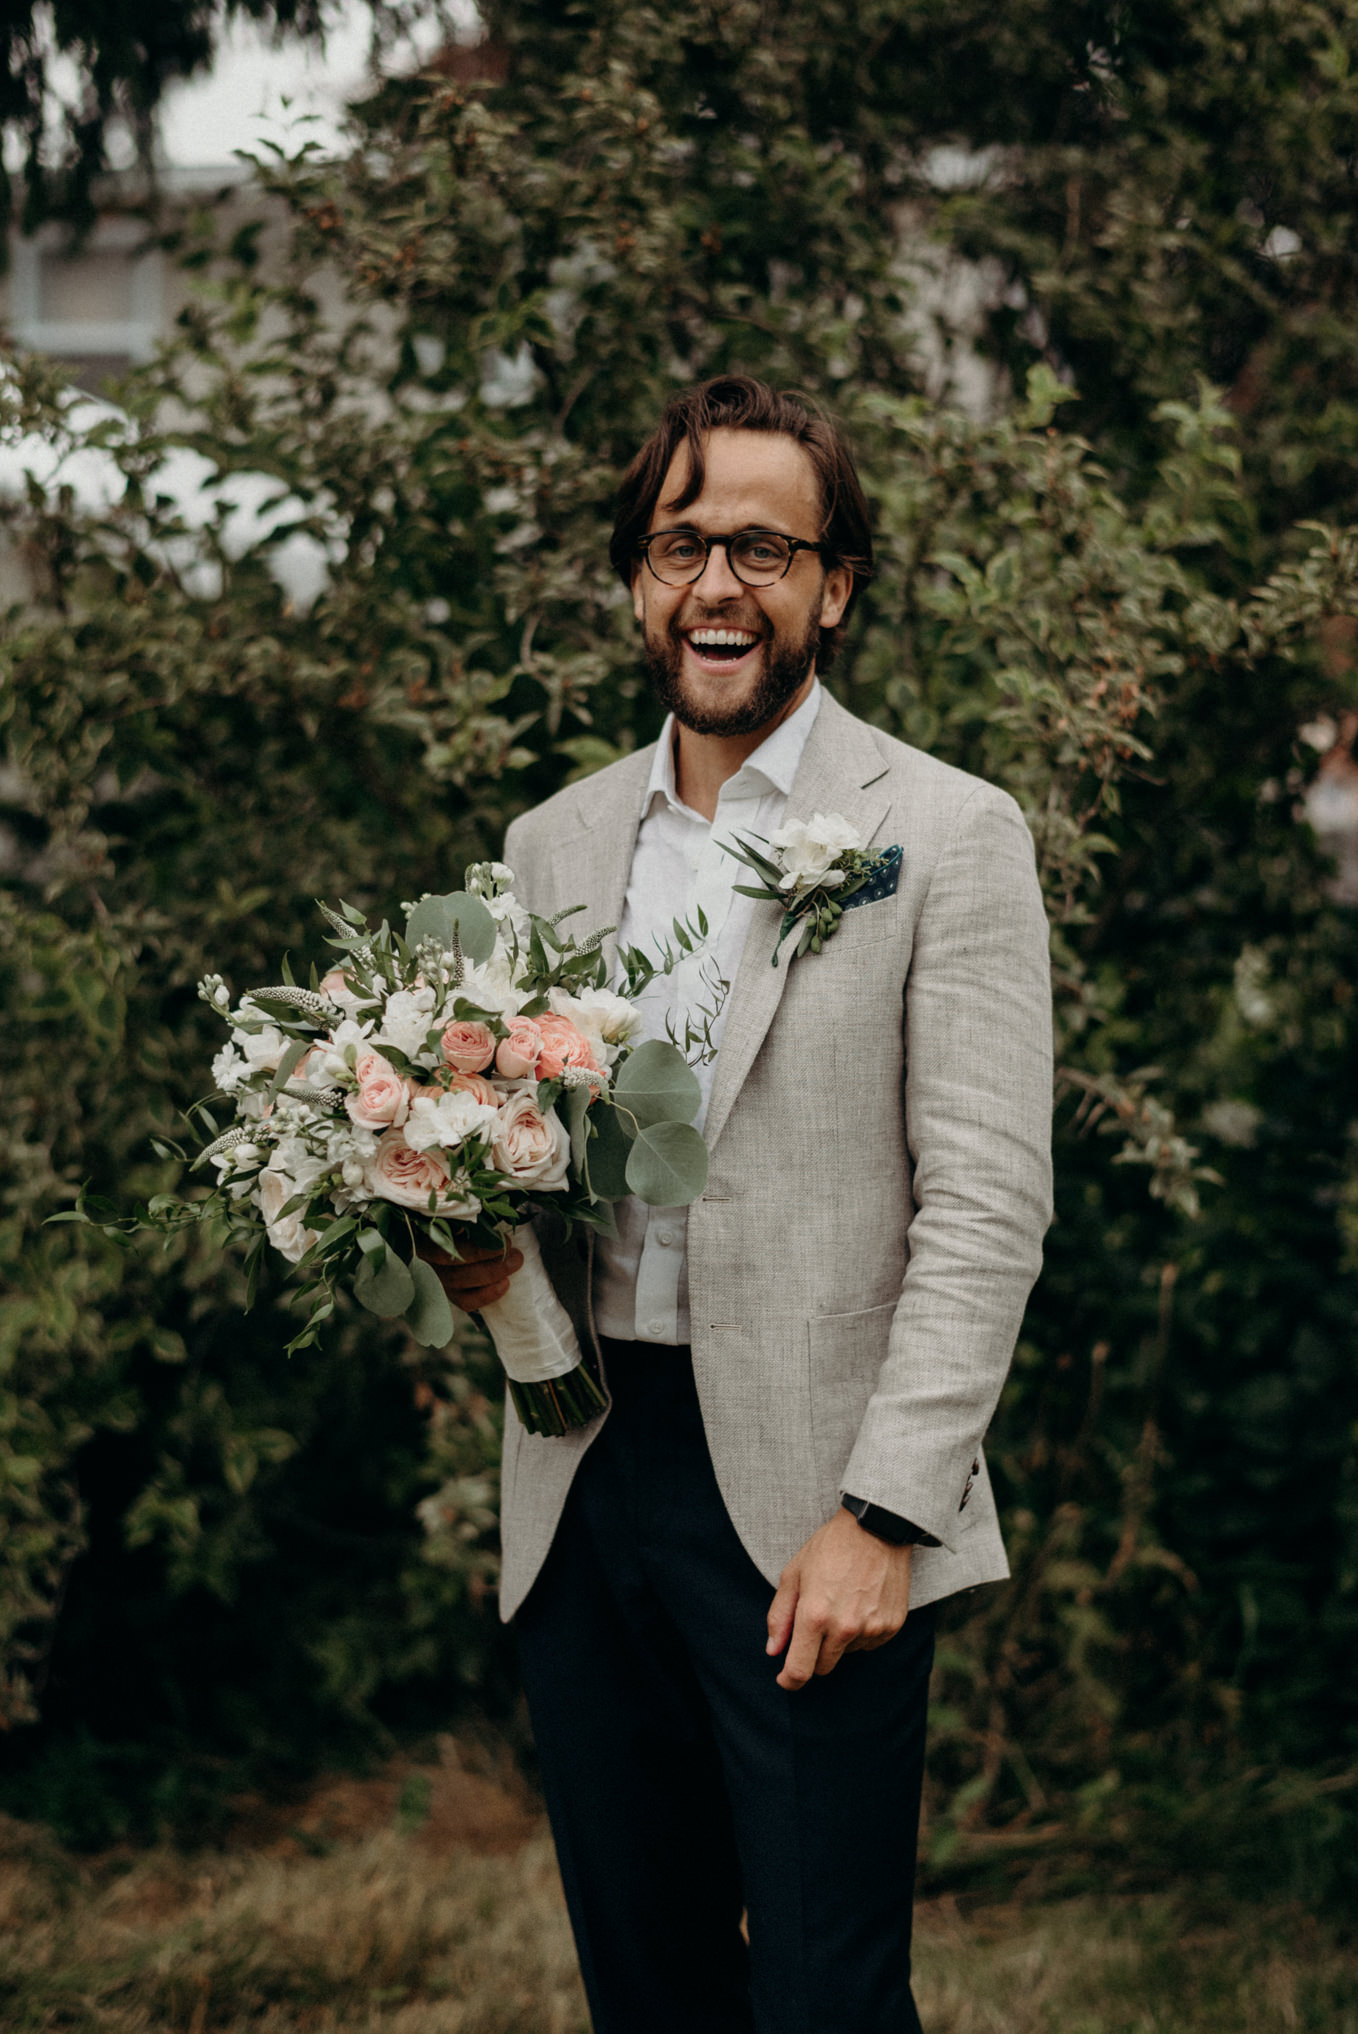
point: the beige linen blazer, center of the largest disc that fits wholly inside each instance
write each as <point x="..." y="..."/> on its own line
<point x="879" y="1135"/>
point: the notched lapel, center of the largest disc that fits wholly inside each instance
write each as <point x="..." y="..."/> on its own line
<point x="841" y="772"/>
<point x="591" y="863"/>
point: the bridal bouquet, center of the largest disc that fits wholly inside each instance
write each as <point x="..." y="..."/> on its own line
<point x="436" y="1087"/>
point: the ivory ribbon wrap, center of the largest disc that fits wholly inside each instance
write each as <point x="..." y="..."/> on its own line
<point x="530" y="1328"/>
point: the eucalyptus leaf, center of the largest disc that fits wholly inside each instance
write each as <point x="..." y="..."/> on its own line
<point x="439" y="918"/>
<point x="383" y="1284"/>
<point x="658" y="1085"/>
<point x="573" y="1109"/>
<point x="607" y="1152"/>
<point x="667" y="1166"/>
<point x="429" y="1317"/>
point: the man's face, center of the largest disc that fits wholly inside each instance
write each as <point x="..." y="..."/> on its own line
<point x="754" y="480"/>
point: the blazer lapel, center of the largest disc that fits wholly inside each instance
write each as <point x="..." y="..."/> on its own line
<point x="591" y="864"/>
<point x="837" y="773"/>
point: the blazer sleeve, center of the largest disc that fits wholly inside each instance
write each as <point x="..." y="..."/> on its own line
<point x="978" y="1102"/>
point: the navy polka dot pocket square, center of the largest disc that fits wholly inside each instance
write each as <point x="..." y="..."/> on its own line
<point x="881" y="883"/>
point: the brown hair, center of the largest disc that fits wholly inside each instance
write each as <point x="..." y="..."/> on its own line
<point x="737" y="402"/>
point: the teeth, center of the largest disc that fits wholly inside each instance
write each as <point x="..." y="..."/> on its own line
<point x="720" y="637"/>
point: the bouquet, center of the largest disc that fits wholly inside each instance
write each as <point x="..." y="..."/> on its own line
<point x="437" y="1087"/>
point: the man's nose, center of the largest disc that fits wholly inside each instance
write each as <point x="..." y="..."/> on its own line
<point x="717" y="581"/>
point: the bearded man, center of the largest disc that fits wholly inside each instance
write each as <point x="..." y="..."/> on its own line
<point x="725" y="1587"/>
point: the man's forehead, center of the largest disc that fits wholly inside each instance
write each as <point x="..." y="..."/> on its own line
<point x="753" y="476"/>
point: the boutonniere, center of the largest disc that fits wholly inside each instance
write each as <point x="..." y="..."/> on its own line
<point x="815" y="868"/>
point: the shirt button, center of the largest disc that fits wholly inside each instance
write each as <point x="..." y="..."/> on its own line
<point x="666" y="1239"/>
<point x="655" y="1327"/>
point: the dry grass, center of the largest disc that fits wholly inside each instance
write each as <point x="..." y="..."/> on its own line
<point x="427" y="1902"/>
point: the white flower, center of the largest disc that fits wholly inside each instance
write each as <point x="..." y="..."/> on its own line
<point x="229" y="1069"/>
<point x="261" y="1050"/>
<point x="490" y="985"/>
<point x="607" y="1020"/>
<point x="276" y="1188"/>
<point x="406" y="1021"/>
<point x="809" y="848"/>
<point x="446" y="1120"/>
<point x="335" y="1056"/>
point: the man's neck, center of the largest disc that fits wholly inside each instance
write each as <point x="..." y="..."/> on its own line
<point x="703" y="763"/>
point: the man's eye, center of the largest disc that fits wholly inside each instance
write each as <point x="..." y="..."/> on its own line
<point x="681" y="549"/>
<point x="762" y="550"/>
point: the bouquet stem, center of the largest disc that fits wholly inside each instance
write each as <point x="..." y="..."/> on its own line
<point x="534" y="1340"/>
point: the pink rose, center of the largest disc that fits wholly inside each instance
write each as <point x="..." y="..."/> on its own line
<point x="383" y="1098"/>
<point x="409" y="1177"/>
<point x="517" y="1056"/>
<point x="468" y="1047"/>
<point x="532" y="1148"/>
<point x="562" y="1046"/>
<point x="481" y="1090"/>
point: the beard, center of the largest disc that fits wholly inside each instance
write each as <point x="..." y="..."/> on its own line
<point x="783" y="670"/>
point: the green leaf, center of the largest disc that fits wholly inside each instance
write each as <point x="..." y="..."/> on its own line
<point x="383" y="1284"/>
<point x="573" y="1110"/>
<point x="667" y="1167"/>
<point x="440" y="917"/>
<point x="607" y="1152"/>
<point x="658" y="1085"/>
<point x="287" y="1065"/>
<point x="429" y="1317"/>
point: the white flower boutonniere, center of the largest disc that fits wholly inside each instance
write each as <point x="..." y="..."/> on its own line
<point x="816" y="868"/>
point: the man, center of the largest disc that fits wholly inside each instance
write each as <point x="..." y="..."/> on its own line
<point x="802" y="1366"/>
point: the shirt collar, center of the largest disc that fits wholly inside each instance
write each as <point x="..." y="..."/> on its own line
<point x="772" y="766"/>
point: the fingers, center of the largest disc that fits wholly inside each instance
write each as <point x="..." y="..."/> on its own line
<point x="472" y="1253"/>
<point x="782" y="1611"/>
<point x="477" y="1282"/>
<point x="803" y="1652"/>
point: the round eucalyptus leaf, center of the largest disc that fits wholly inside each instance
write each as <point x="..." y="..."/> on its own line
<point x="658" y="1085"/>
<point x="429" y="1317"/>
<point x="440" y="917"/>
<point x="383" y="1285"/>
<point x="667" y="1165"/>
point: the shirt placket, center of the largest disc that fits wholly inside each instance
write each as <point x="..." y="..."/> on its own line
<point x="661" y="1294"/>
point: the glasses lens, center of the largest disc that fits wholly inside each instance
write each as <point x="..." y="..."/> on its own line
<point x="758" y="556"/>
<point x="677" y="557"/>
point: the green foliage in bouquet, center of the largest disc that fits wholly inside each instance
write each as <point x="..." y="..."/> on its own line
<point x="1093" y="587"/>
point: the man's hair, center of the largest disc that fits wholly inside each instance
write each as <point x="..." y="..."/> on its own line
<point x="737" y="402"/>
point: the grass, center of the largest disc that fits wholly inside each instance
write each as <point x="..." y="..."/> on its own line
<point x="426" y="1901"/>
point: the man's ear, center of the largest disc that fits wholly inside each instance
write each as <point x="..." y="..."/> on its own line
<point x="835" y="595"/>
<point x="638" y="603"/>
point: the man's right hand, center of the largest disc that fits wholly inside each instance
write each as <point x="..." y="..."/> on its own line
<point x="477" y="1277"/>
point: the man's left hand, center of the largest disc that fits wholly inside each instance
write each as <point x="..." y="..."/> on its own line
<point x="845" y="1592"/>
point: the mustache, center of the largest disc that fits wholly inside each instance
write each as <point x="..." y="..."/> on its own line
<point x="720" y="618"/>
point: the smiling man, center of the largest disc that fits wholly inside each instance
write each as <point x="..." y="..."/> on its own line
<point x="725" y="1588"/>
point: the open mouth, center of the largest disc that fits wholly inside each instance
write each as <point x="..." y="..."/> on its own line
<point x="718" y="647"/>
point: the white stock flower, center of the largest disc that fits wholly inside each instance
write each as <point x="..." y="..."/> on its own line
<point x="809" y="848"/>
<point x="229" y="1069"/>
<point x="406" y="1021"/>
<point x="444" y="1121"/>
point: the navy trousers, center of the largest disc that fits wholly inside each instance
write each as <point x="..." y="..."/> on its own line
<point x="684" y="1786"/>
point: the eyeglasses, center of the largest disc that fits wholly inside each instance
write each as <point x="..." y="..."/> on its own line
<point x="757" y="557"/>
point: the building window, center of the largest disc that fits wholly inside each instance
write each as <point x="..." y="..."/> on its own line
<point x="97" y="306"/>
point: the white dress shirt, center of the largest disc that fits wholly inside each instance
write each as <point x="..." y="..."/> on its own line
<point x="678" y="868"/>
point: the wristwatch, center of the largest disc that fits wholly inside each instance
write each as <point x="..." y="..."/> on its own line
<point x="887" y="1525"/>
